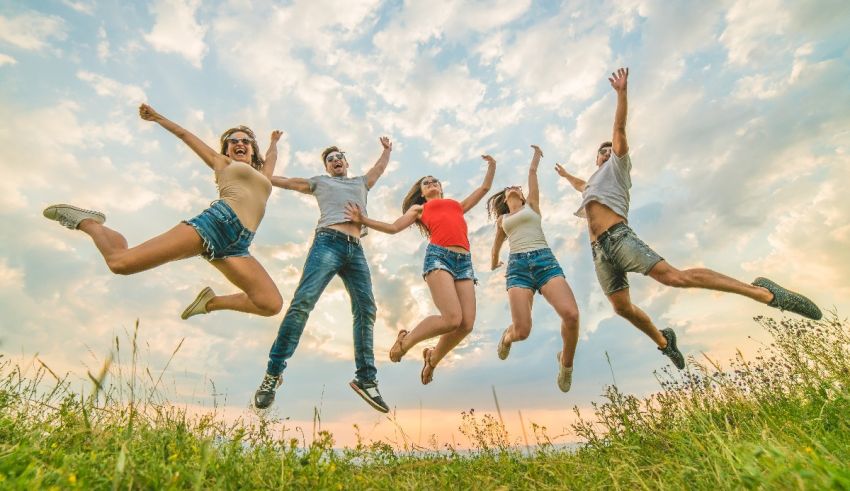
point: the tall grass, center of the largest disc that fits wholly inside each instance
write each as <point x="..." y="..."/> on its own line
<point x="779" y="420"/>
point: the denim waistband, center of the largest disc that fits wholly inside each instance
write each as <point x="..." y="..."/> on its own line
<point x="445" y="250"/>
<point x="534" y="253"/>
<point x="330" y="232"/>
<point x="613" y="228"/>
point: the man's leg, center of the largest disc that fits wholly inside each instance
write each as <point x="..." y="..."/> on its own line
<point x="666" y="274"/>
<point x="623" y="306"/>
<point x="323" y="262"/>
<point x="358" y="282"/>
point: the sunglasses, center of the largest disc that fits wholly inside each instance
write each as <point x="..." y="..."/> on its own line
<point x="244" y="141"/>
<point x="513" y="187"/>
<point x="605" y="150"/>
<point x="334" y="157"/>
<point x="428" y="182"/>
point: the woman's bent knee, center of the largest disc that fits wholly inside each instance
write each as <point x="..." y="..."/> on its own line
<point x="269" y="306"/>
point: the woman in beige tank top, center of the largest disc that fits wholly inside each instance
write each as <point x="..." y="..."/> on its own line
<point x="532" y="267"/>
<point x="221" y="233"/>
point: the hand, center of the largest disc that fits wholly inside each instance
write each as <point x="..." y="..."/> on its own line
<point x="148" y="113"/>
<point x="619" y="79"/>
<point x="494" y="267"/>
<point x="386" y="143"/>
<point x="561" y="171"/>
<point x="276" y="134"/>
<point x="490" y="160"/>
<point x="353" y="213"/>
<point x="537" y="151"/>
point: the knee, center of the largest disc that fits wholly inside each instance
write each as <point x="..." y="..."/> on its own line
<point x="453" y="320"/>
<point x="570" y="317"/>
<point x="465" y="327"/>
<point x="269" y="305"/>
<point x="623" y="309"/>
<point x="521" y="331"/>
<point x="675" y="278"/>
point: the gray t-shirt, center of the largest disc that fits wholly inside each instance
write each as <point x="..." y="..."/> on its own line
<point x="609" y="185"/>
<point x="333" y="193"/>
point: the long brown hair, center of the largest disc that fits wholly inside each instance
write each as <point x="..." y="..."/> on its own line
<point x="497" y="205"/>
<point x="415" y="197"/>
<point x="257" y="161"/>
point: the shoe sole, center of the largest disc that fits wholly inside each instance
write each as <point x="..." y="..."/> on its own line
<point x="185" y="315"/>
<point x="672" y="342"/>
<point x="561" y="367"/>
<point x="507" y="350"/>
<point x="363" y="395"/>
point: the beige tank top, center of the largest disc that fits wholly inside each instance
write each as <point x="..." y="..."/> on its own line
<point x="524" y="230"/>
<point x="246" y="191"/>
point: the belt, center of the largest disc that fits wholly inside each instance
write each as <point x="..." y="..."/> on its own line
<point x="339" y="235"/>
<point x="613" y="228"/>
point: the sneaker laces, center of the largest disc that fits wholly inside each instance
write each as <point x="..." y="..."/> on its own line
<point x="269" y="383"/>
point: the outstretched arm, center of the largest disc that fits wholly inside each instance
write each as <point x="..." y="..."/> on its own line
<point x="619" y="81"/>
<point x="292" y="183"/>
<point x="498" y="240"/>
<point x="355" y="215"/>
<point x="215" y="160"/>
<point x="271" y="154"/>
<point x="479" y="192"/>
<point x="533" y="198"/>
<point x="381" y="164"/>
<point x="578" y="184"/>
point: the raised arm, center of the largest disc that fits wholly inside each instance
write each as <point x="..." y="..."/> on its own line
<point x="271" y="154"/>
<point x="215" y="160"/>
<point x="619" y="81"/>
<point x="355" y="215"/>
<point x="479" y="192"/>
<point x="578" y="184"/>
<point x="381" y="164"/>
<point x="498" y="240"/>
<point x="292" y="183"/>
<point x="533" y="197"/>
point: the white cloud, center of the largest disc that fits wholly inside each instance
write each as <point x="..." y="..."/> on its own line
<point x="754" y="29"/>
<point x="132" y="95"/>
<point x="177" y="31"/>
<point x="7" y="60"/>
<point x="31" y="31"/>
<point x="80" y="6"/>
<point x="102" y="45"/>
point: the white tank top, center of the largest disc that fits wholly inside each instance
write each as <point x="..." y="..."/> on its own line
<point x="524" y="230"/>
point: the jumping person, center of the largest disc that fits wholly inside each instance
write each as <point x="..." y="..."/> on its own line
<point x="221" y="233"/>
<point x="447" y="268"/>
<point x="617" y="250"/>
<point x="336" y="250"/>
<point x="531" y="268"/>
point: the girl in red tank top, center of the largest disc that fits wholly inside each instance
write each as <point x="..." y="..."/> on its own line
<point x="448" y="264"/>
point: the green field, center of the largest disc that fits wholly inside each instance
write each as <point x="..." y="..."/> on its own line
<point x="778" y="421"/>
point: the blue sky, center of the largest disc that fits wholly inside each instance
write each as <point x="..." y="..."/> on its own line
<point x="738" y="131"/>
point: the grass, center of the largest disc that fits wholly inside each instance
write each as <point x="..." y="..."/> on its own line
<point x="778" y="421"/>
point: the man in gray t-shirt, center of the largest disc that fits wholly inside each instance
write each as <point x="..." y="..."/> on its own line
<point x="336" y="250"/>
<point x="617" y="250"/>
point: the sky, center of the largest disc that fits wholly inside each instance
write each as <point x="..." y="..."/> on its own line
<point x="739" y="136"/>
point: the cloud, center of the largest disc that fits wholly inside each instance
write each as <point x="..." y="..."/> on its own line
<point x="7" y="60"/>
<point x="104" y="86"/>
<point x="80" y="6"/>
<point x="32" y="31"/>
<point x="177" y="31"/>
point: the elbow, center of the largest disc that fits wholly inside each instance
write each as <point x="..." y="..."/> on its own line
<point x="485" y="188"/>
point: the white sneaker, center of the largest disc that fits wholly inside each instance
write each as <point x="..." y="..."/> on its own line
<point x="565" y="375"/>
<point x="199" y="305"/>
<point x="71" y="216"/>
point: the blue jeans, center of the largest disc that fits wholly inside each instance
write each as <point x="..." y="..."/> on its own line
<point x="332" y="253"/>
<point x="458" y="264"/>
<point x="222" y="232"/>
<point x="532" y="269"/>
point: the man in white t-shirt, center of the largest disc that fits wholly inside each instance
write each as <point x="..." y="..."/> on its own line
<point x="617" y="250"/>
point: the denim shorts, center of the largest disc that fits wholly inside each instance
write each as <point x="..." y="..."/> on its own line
<point x="532" y="269"/>
<point x="618" y="251"/>
<point x="222" y="232"/>
<point x="457" y="263"/>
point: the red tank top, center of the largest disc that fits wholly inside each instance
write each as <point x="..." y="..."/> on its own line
<point x="445" y="222"/>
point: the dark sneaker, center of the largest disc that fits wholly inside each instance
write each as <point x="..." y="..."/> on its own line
<point x="671" y="351"/>
<point x="787" y="300"/>
<point x="264" y="397"/>
<point x="369" y="392"/>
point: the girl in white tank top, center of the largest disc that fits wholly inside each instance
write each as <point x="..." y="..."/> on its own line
<point x="531" y="267"/>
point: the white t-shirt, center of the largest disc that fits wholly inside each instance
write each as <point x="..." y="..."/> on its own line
<point x="609" y="185"/>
